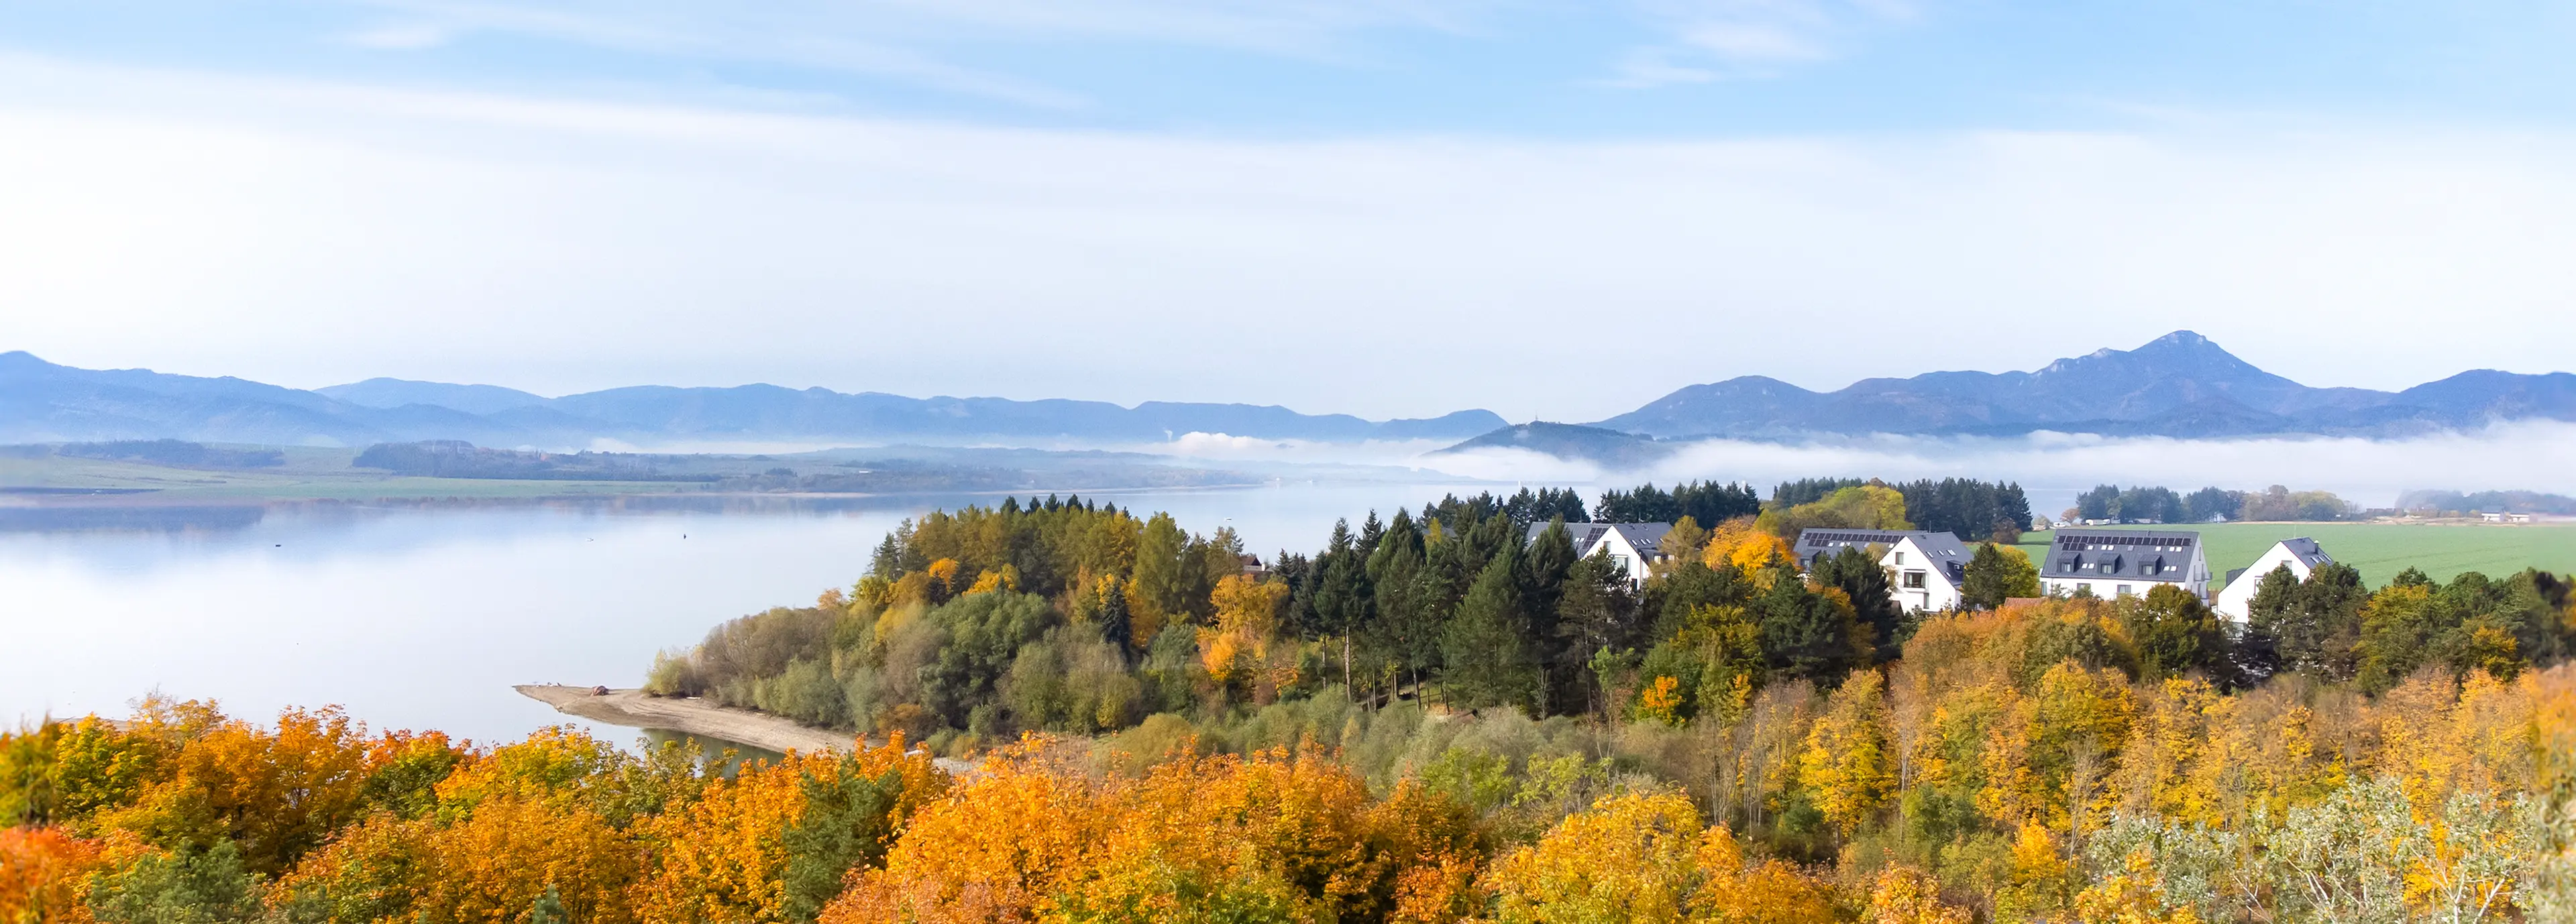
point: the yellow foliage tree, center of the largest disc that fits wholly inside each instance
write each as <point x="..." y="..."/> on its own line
<point x="2133" y="895"/>
<point x="1005" y="578"/>
<point x="1907" y="895"/>
<point x="275" y="792"/>
<point x="2040" y="878"/>
<point x="1870" y="506"/>
<point x="1629" y="858"/>
<point x="1741" y="543"/>
<point x="1685" y="541"/>
<point x="722" y="858"/>
<point x="486" y="866"/>
<point x="1269" y="837"/>
<point x="1763" y="892"/>
<point x="1648" y="858"/>
<point x="2050" y="760"/>
<point x="991" y="851"/>
<point x="1237" y="648"/>
<point x="1845" y="764"/>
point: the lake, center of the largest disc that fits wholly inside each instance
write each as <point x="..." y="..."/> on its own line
<point x="424" y="616"/>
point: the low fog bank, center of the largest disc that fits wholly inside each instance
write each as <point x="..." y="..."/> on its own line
<point x="2053" y="467"/>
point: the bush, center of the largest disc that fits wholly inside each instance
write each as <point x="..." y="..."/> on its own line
<point x="807" y="693"/>
<point x="1072" y="681"/>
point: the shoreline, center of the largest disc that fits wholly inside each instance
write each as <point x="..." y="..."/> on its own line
<point x="631" y="708"/>
<point x="703" y="718"/>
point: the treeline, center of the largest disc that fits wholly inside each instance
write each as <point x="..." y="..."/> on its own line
<point x="1975" y="511"/>
<point x="175" y="452"/>
<point x="2142" y="504"/>
<point x="460" y="459"/>
<point x="2010" y="767"/>
<point x="2454" y="503"/>
<point x="1067" y="616"/>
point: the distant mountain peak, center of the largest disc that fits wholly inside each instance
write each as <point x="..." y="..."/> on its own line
<point x="2180" y="384"/>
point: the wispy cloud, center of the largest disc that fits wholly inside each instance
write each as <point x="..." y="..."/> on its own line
<point x="682" y="31"/>
<point x="401" y="36"/>
<point x="1707" y="40"/>
<point x="900" y="39"/>
<point x="604" y="236"/>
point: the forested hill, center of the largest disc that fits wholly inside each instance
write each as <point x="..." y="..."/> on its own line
<point x="53" y="403"/>
<point x="2179" y="385"/>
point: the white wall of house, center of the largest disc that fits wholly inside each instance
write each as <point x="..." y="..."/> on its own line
<point x="2111" y="587"/>
<point x="2237" y="600"/>
<point x="2193" y="578"/>
<point x="1918" y="581"/>
<point x="1624" y="553"/>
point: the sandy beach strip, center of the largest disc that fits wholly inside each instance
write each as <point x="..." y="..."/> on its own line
<point x="688" y="716"/>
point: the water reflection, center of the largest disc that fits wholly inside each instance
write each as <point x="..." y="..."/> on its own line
<point x="423" y="615"/>
<point x="728" y="757"/>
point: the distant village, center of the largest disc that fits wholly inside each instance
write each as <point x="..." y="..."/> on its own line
<point x="1927" y="570"/>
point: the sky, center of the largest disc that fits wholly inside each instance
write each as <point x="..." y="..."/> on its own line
<point x="1393" y="208"/>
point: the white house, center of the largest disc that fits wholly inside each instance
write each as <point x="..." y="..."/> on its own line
<point x="1925" y="570"/>
<point x="1633" y="547"/>
<point x="2124" y="562"/>
<point x="2300" y="555"/>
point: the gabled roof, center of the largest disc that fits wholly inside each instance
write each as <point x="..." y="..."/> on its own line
<point x="1646" y="538"/>
<point x="1813" y="541"/>
<point x="1946" y="550"/>
<point x="1583" y="534"/>
<point x="2306" y="551"/>
<point x="2127" y="554"/>
<point x="1943" y="548"/>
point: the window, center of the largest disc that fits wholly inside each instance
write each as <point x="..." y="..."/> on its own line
<point x="2086" y="587"/>
<point x="1619" y="561"/>
<point x="2124" y="590"/>
<point x="1900" y="558"/>
<point x="1914" y="580"/>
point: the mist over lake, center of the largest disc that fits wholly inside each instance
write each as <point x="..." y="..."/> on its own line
<point x="423" y="617"/>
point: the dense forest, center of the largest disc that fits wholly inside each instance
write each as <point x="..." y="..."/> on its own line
<point x="1440" y="715"/>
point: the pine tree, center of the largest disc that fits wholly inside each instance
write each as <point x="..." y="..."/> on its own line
<point x="1859" y="576"/>
<point x="549" y="909"/>
<point x="1485" y="646"/>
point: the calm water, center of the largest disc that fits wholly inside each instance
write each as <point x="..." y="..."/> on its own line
<point x="424" y="617"/>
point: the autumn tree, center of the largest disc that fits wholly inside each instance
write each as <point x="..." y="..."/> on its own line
<point x="1997" y="573"/>
<point x="2174" y="632"/>
<point x="1845" y="764"/>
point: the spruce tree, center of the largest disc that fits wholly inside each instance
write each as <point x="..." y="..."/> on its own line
<point x="1859" y="576"/>
<point x="1485" y="646"/>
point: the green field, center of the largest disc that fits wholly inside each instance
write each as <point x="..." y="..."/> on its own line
<point x="2381" y="550"/>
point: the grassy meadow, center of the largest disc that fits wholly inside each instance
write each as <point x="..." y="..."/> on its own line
<point x="2381" y="550"/>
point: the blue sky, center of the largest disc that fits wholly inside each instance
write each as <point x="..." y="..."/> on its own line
<point x="1643" y="68"/>
<point x="1392" y="208"/>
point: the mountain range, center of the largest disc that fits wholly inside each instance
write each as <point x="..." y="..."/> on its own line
<point x="44" y="402"/>
<point x="2179" y="385"/>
